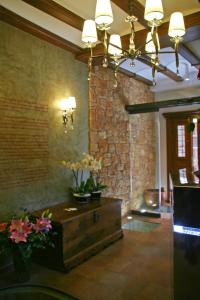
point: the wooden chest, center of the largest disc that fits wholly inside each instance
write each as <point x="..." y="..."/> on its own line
<point x="81" y="233"/>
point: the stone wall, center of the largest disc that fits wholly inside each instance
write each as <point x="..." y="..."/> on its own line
<point x="143" y="156"/>
<point x="34" y="77"/>
<point x="114" y="136"/>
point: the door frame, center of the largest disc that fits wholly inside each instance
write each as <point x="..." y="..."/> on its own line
<point x="177" y="115"/>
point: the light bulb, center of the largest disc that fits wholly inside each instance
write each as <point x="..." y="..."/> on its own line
<point x="103" y="14"/>
<point x="89" y="34"/>
<point x="115" y="40"/>
<point x="176" y="25"/>
<point x="153" y="10"/>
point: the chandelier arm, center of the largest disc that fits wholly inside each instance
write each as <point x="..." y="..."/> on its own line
<point x="176" y="56"/>
<point x="97" y="56"/>
<point x="90" y="64"/>
<point x="121" y="62"/>
<point x="153" y="72"/>
<point x="142" y="46"/>
<point x="105" y="44"/>
<point x="123" y="50"/>
<point x="156" y="41"/>
<point x="116" y="68"/>
<point x="132" y="37"/>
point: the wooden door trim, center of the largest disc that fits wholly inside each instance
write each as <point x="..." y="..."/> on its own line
<point x="181" y="114"/>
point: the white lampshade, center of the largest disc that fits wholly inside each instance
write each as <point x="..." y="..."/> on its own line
<point x="176" y="25"/>
<point x="115" y="40"/>
<point x="103" y="14"/>
<point x="150" y="47"/>
<point x="69" y="103"/>
<point x="89" y="34"/>
<point x="153" y="10"/>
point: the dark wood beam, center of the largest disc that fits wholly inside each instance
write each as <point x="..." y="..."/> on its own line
<point x="162" y="69"/>
<point x="61" y="13"/>
<point x="155" y="106"/>
<point x="137" y="9"/>
<point x="27" y="26"/>
<point x="188" y="54"/>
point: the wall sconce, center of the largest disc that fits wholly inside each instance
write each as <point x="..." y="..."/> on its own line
<point x="68" y="106"/>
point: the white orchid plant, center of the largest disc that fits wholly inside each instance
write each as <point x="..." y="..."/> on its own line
<point x="92" y="167"/>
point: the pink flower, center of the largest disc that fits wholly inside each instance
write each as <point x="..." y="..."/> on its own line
<point x="42" y="225"/>
<point x="17" y="237"/>
<point x="19" y="230"/>
<point x="3" y="226"/>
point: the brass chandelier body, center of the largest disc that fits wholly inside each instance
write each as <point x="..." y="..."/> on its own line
<point x="114" y="55"/>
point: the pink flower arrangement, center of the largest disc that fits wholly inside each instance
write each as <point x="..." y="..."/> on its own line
<point x="26" y="232"/>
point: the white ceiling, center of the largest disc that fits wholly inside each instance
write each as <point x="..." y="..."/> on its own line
<point x="86" y="9"/>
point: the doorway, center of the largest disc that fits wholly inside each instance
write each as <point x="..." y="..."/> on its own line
<point x="183" y="155"/>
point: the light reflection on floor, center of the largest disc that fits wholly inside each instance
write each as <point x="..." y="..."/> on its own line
<point x="142" y="226"/>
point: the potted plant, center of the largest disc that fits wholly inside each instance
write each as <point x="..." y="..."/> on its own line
<point x="95" y="187"/>
<point x="86" y="177"/>
<point x="93" y="182"/>
<point x="80" y="191"/>
<point x="20" y="236"/>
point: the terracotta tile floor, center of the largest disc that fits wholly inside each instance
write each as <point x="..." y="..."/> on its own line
<point x="137" y="267"/>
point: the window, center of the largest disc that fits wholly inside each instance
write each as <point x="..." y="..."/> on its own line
<point x="195" y="163"/>
<point x="181" y="141"/>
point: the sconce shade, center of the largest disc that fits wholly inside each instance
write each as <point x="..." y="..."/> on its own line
<point x="68" y="104"/>
<point x="176" y="25"/>
<point x="150" y="47"/>
<point x="115" y="40"/>
<point x="103" y="14"/>
<point x="153" y="10"/>
<point x="89" y="34"/>
<point x="71" y="103"/>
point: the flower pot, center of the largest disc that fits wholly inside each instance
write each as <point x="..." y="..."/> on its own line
<point x="96" y="195"/>
<point x="151" y="198"/>
<point x="22" y="265"/>
<point x="82" y="198"/>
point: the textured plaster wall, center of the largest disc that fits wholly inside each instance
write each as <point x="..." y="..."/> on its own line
<point x="35" y="72"/>
<point x="126" y="143"/>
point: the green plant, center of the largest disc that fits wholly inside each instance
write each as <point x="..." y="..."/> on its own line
<point x="190" y="126"/>
<point x="94" y="185"/>
<point x="91" y="167"/>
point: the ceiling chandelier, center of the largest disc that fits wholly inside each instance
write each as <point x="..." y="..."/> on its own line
<point x="114" y="55"/>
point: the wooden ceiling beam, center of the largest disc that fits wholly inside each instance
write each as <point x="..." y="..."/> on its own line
<point x="58" y="11"/>
<point x="188" y="54"/>
<point x="137" y="9"/>
<point x="155" y="106"/>
<point x="162" y="69"/>
<point x="27" y="26"/>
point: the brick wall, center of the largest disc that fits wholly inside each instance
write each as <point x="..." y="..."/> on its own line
<point x="112" y="133"/>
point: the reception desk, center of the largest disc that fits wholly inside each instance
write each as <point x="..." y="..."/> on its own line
<point x="186" y="231"/>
